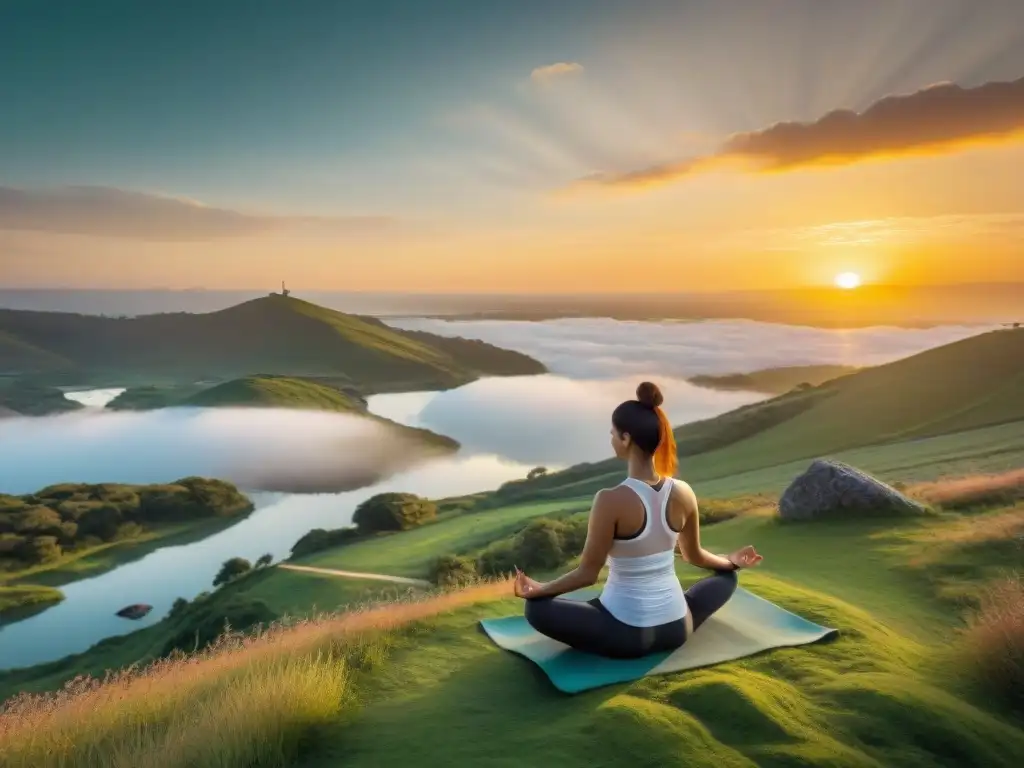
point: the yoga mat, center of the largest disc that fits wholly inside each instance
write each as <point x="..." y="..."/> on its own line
<point x="746" y="625"/>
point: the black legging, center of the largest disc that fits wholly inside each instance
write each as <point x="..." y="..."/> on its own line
<point x="589" y="627"/>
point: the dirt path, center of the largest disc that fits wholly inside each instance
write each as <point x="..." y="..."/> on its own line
<point x="356" y="575"/>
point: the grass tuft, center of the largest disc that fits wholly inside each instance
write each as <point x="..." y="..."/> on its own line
<point x="245" y="700"/>
<point x="974" y="491"/>
<point x="993" y="641"/>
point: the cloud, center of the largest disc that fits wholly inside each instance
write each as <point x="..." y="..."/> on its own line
<point x="555" y="71"/>
<point x="889" y="230"/>
<point x="111" y="212"/>
<point x="937" y="119"/>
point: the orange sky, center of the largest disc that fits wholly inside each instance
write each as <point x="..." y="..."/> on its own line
<point x="601" y="156"/>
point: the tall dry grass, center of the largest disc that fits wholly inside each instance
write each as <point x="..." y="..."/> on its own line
<point x="972" y="491"/>
<point x="246" y="700"/>
<point x="993" y="640"/>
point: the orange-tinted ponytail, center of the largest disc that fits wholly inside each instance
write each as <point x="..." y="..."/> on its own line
<point x="666" y="462"/>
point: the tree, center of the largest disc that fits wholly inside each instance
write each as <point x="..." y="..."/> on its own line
<point x="41" y="549"/>
<point x="539" y="545"/>
<point x="264" y="560"/>
<point x="37" y="521"/>
<point x="452" y="570"/>
<point x="232" y="569"/>
<point x="536" y="472"/>
<point x="393" y="512"/>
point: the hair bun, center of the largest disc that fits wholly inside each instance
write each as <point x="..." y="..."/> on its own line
<point x="648" y="394"/>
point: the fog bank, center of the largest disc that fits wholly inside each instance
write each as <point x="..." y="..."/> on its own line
<point x="256" y="448"/>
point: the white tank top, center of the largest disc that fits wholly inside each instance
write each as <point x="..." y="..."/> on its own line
<point x="642" y="588"/>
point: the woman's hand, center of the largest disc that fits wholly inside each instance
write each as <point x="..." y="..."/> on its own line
<point x="745" y="557"/>
<point x="524" y="586"/>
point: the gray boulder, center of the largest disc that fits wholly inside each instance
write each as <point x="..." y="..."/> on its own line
<point x="833" y="490"/>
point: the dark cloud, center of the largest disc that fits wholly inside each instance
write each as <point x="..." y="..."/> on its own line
<point x="936" y="119"/>
<point x="110" y="212"/>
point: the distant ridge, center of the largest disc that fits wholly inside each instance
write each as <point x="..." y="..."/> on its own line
<point x="273" y="334"/>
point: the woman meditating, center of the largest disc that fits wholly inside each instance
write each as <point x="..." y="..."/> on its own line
<point x="635" y="527"/>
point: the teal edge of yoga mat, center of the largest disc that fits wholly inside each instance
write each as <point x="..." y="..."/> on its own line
<point x="745" y="626"/>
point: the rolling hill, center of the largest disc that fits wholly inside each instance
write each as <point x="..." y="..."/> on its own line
<point x="275" y="334"/>
<point x="775" y="381"/>
<point x="968" y="385"/>
<point x="277" y="392"/>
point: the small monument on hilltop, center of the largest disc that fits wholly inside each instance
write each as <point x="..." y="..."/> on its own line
<point x="284" y="291"/>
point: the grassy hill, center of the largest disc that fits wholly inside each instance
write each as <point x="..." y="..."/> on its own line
<point x="906" y="682"/>
<point x="775" y="381"/>
<point x="277" y="392"/>
<point x="275" y="334"/>
<point x="969" y="385"/>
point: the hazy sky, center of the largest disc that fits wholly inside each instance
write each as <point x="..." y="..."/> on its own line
<point x="508" y="146"/>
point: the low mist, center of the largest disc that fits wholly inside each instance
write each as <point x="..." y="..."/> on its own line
<point x="258" y="449"/>
<point x="605" y="348"/>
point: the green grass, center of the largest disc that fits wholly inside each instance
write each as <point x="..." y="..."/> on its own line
<point x="410" y="553"/>
<point x="867" y="699"/>
<point x="884" y="693"/>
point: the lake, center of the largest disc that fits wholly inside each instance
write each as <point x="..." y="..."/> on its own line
<point x="506" y="427"/>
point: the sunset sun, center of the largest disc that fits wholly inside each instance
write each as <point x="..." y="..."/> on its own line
<point x="848" y="281"/>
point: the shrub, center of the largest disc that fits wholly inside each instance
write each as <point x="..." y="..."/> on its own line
<point x="178" y="607"/>
<point x="40" y="550"/>
<point x="994" y="640"/>
<point x="453" y="570"/>
<point x="204" y="622"/>
<point x="542" y="545"/>
<point x="264" y="560"/>
<point x="497" y="559"/>
<point x="539" y="545"/>
<point x="393" y="512"/>
<point x="320" y="539"/>
<point x="231" y="569"/>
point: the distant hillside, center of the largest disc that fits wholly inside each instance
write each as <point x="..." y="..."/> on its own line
<point x="259" y="390"/>
<point x="274" y="334"/>
<point x="775" y="381"/>
<point x="277" y="392"/>
<point x="974" y="383"/>
<point x="21" y="398"/>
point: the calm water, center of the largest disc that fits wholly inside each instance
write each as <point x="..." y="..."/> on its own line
<point x="506" y="427"/>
